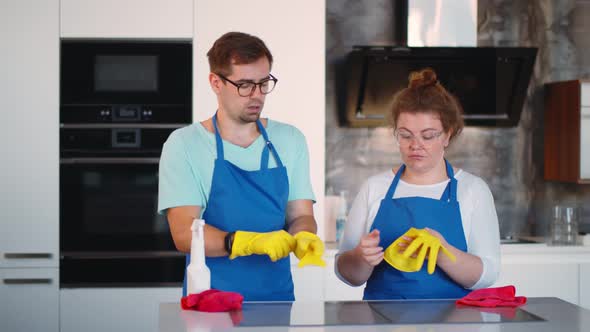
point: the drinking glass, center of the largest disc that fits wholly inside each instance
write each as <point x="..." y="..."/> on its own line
<point x="563" y="229"/>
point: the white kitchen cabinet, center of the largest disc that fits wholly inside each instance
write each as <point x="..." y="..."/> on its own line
<point x="113" y="309"/>
<point x="567" y="131"/>
<point x="336" y="290"/>
<point x="29" y="299"/>
<point x="294" y="31"/>
<point x="308" y="281"/>
<point x="585" y="285"/>
<point x="127" y="19"/>
<point x="29" y="171"/>
<point x="542" y="280"/>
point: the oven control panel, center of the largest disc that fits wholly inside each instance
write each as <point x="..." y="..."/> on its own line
<point x="124" y="113"/>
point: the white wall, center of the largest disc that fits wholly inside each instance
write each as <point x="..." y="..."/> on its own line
<point x="294" y="32"/>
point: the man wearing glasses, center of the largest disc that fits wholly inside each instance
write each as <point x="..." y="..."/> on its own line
<point x="246" y="176"/>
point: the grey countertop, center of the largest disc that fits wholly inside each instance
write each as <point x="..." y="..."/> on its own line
<point x="538" y="315"/>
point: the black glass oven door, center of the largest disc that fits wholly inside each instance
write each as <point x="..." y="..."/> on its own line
<point x="109" y="205"/>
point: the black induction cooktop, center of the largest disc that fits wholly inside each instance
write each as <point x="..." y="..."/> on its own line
<point x="376" y="313"/>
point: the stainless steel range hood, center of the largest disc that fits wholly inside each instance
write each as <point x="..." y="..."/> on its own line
<point x="490" y="82"/>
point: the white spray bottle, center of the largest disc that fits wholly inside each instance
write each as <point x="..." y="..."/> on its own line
<point x="198" y="276"/>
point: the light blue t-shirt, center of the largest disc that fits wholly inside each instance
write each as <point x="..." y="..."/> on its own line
<point x="188" y="156"/>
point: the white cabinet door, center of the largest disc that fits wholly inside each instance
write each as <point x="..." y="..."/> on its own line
<point x="29" y="171"/>
<point x="113" y="309"/>
<point x="127" y="19"/>
<point x="585" y="285"/>
<point x="29" y="300"/>
<point x="545" y="280"/>
<point x="308" y="282"/>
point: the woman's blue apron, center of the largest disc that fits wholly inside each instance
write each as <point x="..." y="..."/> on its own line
<point x="394" y="218"/>
<point x="253" y="201"/>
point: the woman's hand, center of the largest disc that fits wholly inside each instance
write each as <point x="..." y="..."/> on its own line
<point x="444" y="245"/>
<point x="407" y="240"/>
<point x="356" y="265"/>
<point x="369" y="250"/>
<point x="438" y="235"/>
<point x="409" y="251"/>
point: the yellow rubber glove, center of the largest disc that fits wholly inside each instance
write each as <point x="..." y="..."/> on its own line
<point x="423" y="243"/>
<point x="309" y="249"/>
<point x="276" y="245"/>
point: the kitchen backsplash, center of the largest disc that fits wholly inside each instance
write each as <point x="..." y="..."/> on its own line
<point x="510" y="160"/>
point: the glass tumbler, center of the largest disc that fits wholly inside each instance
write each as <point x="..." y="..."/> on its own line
<point x="564" y="226"/>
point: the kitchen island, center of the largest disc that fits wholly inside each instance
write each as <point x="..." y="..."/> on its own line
<point x="538" y="315"/>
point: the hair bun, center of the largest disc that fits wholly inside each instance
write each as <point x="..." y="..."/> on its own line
<point x="423" y="78"/>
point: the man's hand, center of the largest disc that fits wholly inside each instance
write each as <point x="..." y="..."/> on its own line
<point x="309" y="249"/>
<point x="276" y="245"/>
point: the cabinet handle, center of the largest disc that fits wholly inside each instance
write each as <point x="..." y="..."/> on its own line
<point x="32" y="255"/>
<point x="28" y="281"/>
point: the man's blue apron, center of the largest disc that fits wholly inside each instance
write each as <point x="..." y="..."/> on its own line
<point x="394" y="218"/>
<point x="253" y="201"/>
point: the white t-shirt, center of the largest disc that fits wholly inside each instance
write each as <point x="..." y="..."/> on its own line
<point x="478" y="215"/>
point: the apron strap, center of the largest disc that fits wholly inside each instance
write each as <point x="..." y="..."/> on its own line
<point x="264" y="159"/>
<point x="395" y="181"/>
<point x="452" y="187"/>
<point x="267" y="148"/>
<point x="218" y="141"/>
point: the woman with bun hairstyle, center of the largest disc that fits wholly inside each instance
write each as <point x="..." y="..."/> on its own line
<point x="424" y="198"/>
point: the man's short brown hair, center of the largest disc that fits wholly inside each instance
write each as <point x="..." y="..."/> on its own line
<point x="236" y="48"/>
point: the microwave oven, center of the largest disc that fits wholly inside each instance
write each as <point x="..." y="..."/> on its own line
<point x="123" y="81"/>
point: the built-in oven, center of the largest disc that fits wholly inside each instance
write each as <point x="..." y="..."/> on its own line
<point x="110" y="232"/>
<point x="120" y="100"/>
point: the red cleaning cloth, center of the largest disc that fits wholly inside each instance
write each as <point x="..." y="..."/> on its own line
<point x="212" y="300"/>
<point x="493" y="297"/>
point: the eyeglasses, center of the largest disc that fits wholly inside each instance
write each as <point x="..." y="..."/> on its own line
<point x="426" y="138"/>
<point x="246" y="89"/>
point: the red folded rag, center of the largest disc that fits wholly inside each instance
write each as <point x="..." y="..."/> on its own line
<point x="212" y="300"/>
<point x="493" y="297"/>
